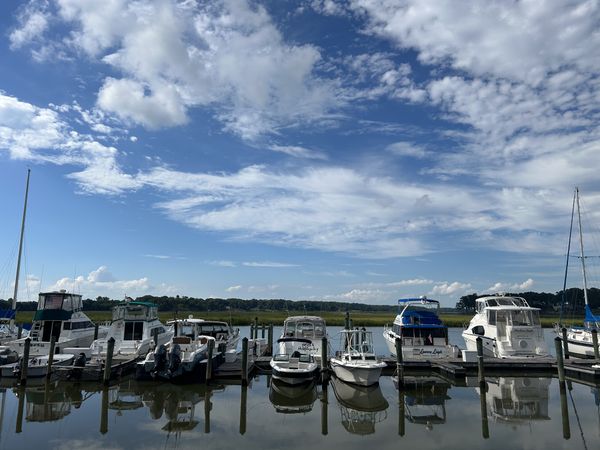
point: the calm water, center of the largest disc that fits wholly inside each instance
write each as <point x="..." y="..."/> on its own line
<point x="430" y="414"/>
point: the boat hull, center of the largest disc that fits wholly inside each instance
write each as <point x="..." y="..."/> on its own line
<point x="420" y="352"/>
<point x="365" y="375"/>
<point x="294" y="376"/>
<point x="37" y="367"/>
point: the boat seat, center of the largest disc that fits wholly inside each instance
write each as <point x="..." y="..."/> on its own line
<point x="181" y="340"/>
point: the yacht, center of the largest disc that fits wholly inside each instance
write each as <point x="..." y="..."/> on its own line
<point x="423" y="334"/>
<point x="508" y="326"/>
<point x="310" y="330"/>
<point x="356" y="363"/>
<point x="133" y="327"/>
<point x="291" y="364"/>
<point x="178" y="360"/>
<point x="59" y="314"/>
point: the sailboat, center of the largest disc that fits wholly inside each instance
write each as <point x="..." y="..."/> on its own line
<point x="579" y="339"/>
<point x="8" y="329"/>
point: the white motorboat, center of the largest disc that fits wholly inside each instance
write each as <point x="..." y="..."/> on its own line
<point x="133" y="327"/>
<point x="356" y="363"/>
<point x="579" y="339"/>
<point x="508" y="326"/>
<point x="37" y="366"/>
<point x="309" y="330"/>
<point x="60" y="315"/>
<point x="8" y="329"/>
<point x="178" y="360"/>
<point x="226" y="337"/>
<point x="423" y="334"/>
<point x="292" y="365"/>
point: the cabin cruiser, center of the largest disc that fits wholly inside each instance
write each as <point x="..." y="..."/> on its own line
<point x="423" y="334"/>
<point x="356" y="363"/>
<point x="178" y="360"/>
<point x="225" y="336"/>
<point x="291" y="364"/>
<point x="361" y="407"/>
<point x="310" y="331"/>
<point x="59" y="314"/>
<point x="508" y="326"/>
<point x="133" y="327"/>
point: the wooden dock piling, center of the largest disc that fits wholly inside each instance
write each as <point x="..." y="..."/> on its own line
<point x="399" y="369"/>
<point x="25" y="362"/>
<point x="485" y="429"/>
<point x="243" y="403"/>
<point x="245" y="361"/>
<point x="270" y="339"/>
<point x="324" y="409"/>
<point x="559" y="360"/>
<point x="565" y="343"/>
<point x="19" y="330"/>
<point x="108" y="363"/>
<point x="95" y="331"/>
<point x="209" y="362"/>
<point x="564" y="409"/>
<point x="595" y="343"/>
<point x="324" y="360"/>
<point x="20" y="408"/>
<point x="480" y="367"/>
<point x="50" y="357"/>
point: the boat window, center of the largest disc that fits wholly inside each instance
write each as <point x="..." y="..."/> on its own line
<point x="290" y="329"/>
<point x="66" y="325"/>
<point x="81" y="325"/>
<point x="370" y="358"/>
<point x="53" y="301"/>
<point x="304" y="358"/>
<point x="492" y="302"/>
<point x="134" y="331"/>
<point x="319" y="330"/>
<point x="479" y="330"/>
<point x="281" y="357"/>
<point x="306" y="329"/>
<point x="503" y="317"/>
<point x="505" y="302"/>
<point x="535" y="318"/>
<point x="521" y="318"/>
<point x="491" y="316"/>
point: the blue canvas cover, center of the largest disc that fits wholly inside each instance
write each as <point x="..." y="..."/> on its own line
<point x="591" y="321"/>
<point x="7" y="313"/>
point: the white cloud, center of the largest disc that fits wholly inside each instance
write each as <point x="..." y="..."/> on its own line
<point x="412" y="282"/>
<point x="507" y="287"/>
<point x="234" y="288"/>
<point x="269" y="264"/>
<point x="455" y="288"/>
<point x="222" y="263"/>
<point x="298" y="152"/>
<point x="407" y="149"/>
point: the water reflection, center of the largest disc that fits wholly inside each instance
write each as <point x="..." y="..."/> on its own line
<point x="518" y="400"/>
<point x="425" y="399"/>
<point x="361" y="407"/>
<point x="288" y="399"/>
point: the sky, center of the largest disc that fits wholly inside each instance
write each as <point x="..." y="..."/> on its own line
<point x="361" y="150"/>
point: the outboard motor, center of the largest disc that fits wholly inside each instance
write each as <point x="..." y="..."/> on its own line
<point x="160" y="358"/>
<point x="174" y="358"/>
<point x="80" y="360"/>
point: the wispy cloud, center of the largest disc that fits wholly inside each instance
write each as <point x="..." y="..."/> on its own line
<point x="268" y="264"/>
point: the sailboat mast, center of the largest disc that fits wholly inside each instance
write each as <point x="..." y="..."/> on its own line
<point x="562" y="305"/>
<point x="585" y="295"/>
<point x="14" y="303"/>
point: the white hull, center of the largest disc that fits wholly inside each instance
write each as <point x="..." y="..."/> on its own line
<point x="37" y="367"/>
<point x="579" y="349"/>
<point x="363" y="375"/>
<point x="293" y="376"/>
<point x="40" y="348"/>
<point x="489" y="345"/>
<point x="420" y="352"/>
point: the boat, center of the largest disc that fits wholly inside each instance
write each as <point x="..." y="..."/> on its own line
<point x="178" y="360"/>
<point x="37" y="366"/>
<point x="508" y="326"/>
<point x="310" y="330"/>
<point x="133" y="327"/>
<point x="361" y="407"/>
<point x="8" y="329"/>
<point x="356" y="363"/>
<point x="226" y="337"/>
<point x="423" y="334"/>
<point x="291" y="364"/>
<point x="60" y="315"/>
<point x="579" y="339"/>
<point x="292" y="399"/>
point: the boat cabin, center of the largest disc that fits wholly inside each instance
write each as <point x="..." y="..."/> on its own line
<point x="135" y="316"/>
<point x="307" y="327"/>
<point x="418" y="323"/>
<point x="357" y="344"/>
<point x="54" y="313"/>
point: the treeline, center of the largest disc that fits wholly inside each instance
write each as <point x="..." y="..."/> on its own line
<point x="572" y="301"/>
<point x="183" y="303"/>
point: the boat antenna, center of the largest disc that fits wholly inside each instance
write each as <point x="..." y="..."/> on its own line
<point x="564" y="294"/>
<point x="14" y="303"/>
<point x="585" y="295"/>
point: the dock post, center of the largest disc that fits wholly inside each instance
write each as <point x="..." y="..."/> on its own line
<point x="50" y="357"/>
<point x="155" y="337"/>
<point x="485" y="429"/>
<point x="270" y="338"/>
<point x="347" y="321"/>
<point x="245" y="361"/>
<point x="207" y="408"/>
<point x="262" y="331"/>
<point x="255" y="327"/>
<point x="108" y="363"/>
<point x="565" y="342"/>
<point x="595" y="342"/>
<point x="480" y="368"/>
<point x="104" y="411"/>
<point x="324" y="410"/>
<point x="243" y="401"/>
<point x="324" y="360"/>
<point x="209" y="362"/>
<point x="25" y="362"/>
<point x="559" y="360"/>
<point x="20" y="407"/>
<point x="564" y="408"/>
<point x="20" y="330"/>
<point x="399" y="367"/>
<point x="350" y="323"/>
<point x="175" y="329"/>
<point x="95" y="331"/>
<point x="401" y="418"/>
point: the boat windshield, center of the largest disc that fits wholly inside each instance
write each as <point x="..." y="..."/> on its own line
<point x="360" y="341"/>
<point x="51" y="301"/>
<point x="305" y="329"/>
<point x="517" y="318"/>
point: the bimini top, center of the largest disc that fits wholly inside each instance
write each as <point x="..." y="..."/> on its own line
<point x="421" y="300"/>
<point x="417" y="312"/>
<point x="502" y="302"/>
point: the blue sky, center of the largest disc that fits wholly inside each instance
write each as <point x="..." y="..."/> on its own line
<point x="359" y="150"/>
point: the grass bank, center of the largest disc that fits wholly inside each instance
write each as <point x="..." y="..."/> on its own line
<point x="241" y="318"/>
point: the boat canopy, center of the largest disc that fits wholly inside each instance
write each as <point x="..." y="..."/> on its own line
<point x="417" y="318"/>
<point x="7" y="313"/>
<point x="591" y="320"/>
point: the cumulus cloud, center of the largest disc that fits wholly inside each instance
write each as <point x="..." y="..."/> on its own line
<point x="234" y="288"/>
<point x="514" y="287"/>
<point x="269" y="264"/>
<point x="455" y="288"/>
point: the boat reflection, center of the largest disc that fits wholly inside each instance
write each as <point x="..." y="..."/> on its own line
<point x="292" y="399"/>
<point x="518" y="400"/>
<point x="361" y="407"/>
<point x="425" y="400"/>
<point x="51" y="402"/>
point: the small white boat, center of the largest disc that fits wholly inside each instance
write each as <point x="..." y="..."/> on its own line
<point x="423" y="334"/>
<point x="178" y="360"/>
<point x="37" y="366"/>
<point x="226" y="337"/>
<point x="508" y="326"/>
<point x="309" y="330"/>
<point x="356" y="363"/>
<point x="292" y="366"/>
<point x="133" y="327"/>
